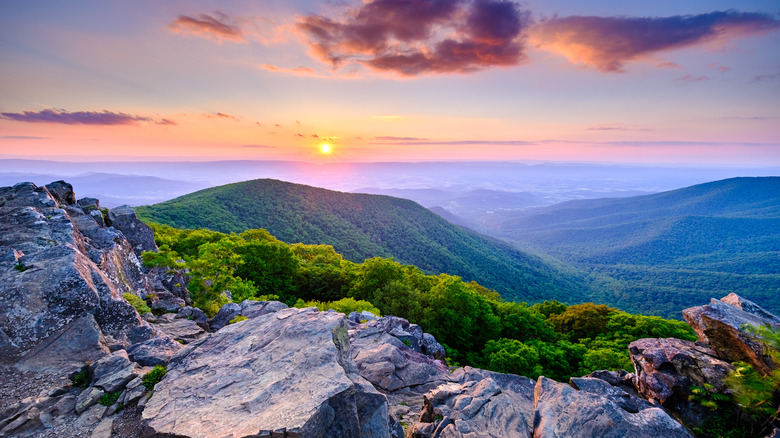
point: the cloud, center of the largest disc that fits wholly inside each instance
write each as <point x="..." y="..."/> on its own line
<point x="607" y="43"/>
<point x="399" y="139"/>
<point x="219" y="27"/>
<point x="413" y="37"/>
<point x="617" y="127"/>
<point x="81" y="118"/>
<point x="458" y="143"/>
<point x="24" y="137"/>
<point x="693" y="78"/>
<point x="300" y="135"/>
<point x="221" y="116"/>
<point x="762" y="78"/>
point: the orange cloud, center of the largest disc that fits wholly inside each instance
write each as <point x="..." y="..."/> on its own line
<point x="607" y="43"/>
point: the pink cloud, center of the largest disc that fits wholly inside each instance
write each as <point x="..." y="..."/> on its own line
<point x="218" y="27"/>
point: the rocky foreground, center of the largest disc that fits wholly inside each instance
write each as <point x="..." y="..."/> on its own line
<point x="74" y="354"/>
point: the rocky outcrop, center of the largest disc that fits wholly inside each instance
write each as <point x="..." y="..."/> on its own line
<point x="123" y="218"/>
<point x="287" y="373"/>
<point x="720" y="325"/>
<point x="61" y="290"/>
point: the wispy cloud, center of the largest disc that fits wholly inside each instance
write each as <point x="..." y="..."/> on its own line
<point x="693" y="78"/>
<point x="24" y="137"/>
<point x="457" y="143"/>
<point x="616" y="127"/>
<point x="218" y="26"/>
<point x="413" y="37"/>
<point x="400" y="139"/>
<point x="607" y="43"/>
<point x="82" y="118"/>
<point x="762" y="78"/>
<point x="221" y="116"/>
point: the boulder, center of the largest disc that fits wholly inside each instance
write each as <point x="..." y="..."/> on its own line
<point x="288" y="373"/>
<point x="165" y="301"/>
<point x="667" y="369"/>
<point x="360" y="317"/>
<point x="193" y="314"/>
<point x="720" y="325"/>
<point x="224" y="316"/>
<point x="140" y="235"/>
<point x="479" y="403"/>
<point x="748" y="306"/>
<point x="111" y="373"/>
<point x="155" y="351"/>
<point x="183" y="330"/>
<point x="563" y="411"/>
<point x="253" y="309"/>
<point x="62" y="192"/>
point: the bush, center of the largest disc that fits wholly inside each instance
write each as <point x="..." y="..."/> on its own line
<point x="154" y="376"/>
<point x="109" y="399"/>
<point x="81" y="378"/>
<point x="238" y="318"/>
<point x="138" y="303"/>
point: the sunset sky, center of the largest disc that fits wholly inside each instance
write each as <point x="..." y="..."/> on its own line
<point x="667" y="81"/>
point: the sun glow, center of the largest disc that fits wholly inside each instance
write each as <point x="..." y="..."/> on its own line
<point x="326" y="149"/>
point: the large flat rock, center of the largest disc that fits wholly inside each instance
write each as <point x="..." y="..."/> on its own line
<point x="288" y="372"/>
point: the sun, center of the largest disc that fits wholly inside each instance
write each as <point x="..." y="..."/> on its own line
<point x="326" y="149"/>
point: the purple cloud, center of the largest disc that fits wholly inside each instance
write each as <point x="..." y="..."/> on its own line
<point x="24" y="137"/>
<point x="80" y="118"/>
<point x="412" y="37"/>
<point x="607" y="43"/>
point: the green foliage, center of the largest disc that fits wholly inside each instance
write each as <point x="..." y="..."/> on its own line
<point x="81" y="378"/>
<point x="582" y="321"/>
<point x="473" y="323"/>
<point x="154" y="376"/>
<point x="758" y="394"/>
<point x="135" y="301"/>
<point x="109" y="399"/>
<point x="19" y="266"/>
<point x="238" y="318"/>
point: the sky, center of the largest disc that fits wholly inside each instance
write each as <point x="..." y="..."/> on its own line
<point x="668" y="81"/>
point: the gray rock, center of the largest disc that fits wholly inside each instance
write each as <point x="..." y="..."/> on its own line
<point x="165" y="301"/>
<point x="111" y="373"/>
<point x="80" y="341"/>
<point x="155" y="351"/>
<point x="62" y="192"/>
<point x="359" y="317"/>
<point x="285" y="372"/>
<point x="87" y="398"/>
<point x="562" y="411"/>
<point x="181" y="329"/>
<point x="748" y="306"/>
<point x="432" y="348"/>
<point x="720" y="325"/>
<point x="88" y="205"/>
<point x="139" y="234"/>
<point x="253" y="309"/>
<point x="194" y="314"/>
<point x="624" y="400"/>
<point x="61" y="283"/>
<point x="224" y="316"/>
<point x="391" y="367"/>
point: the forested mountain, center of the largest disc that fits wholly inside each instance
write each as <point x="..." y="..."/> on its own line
<point x="667" y="250"/>
<point x="361" y="226"/>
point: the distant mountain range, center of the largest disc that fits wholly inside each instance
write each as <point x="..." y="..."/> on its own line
<point x="361" y="226"/>
<point x="667" y="250"/>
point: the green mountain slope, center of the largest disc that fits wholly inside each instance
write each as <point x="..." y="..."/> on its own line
<point x="361" y="226"/>
<point x="668" y="250"/>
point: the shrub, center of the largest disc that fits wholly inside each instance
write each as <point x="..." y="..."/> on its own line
<point x="238" y="318"/>
<point x="81" y="378"/>
<point x="154" y="376"/>
<point x="109" y="399"/>
<point x="20" y="267"/>
<point x="138" y="303"/>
